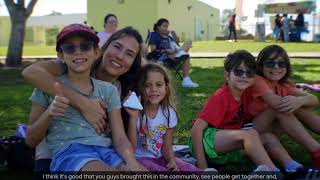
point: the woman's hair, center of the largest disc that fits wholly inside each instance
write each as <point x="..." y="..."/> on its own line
<point x="234" y="60"/>
<point x="106" y="18"/>
<point x="128" y="79"/>
<point x="159" y="23"/>
<point x="272" y="52"/>
<point x="168" y="101"/>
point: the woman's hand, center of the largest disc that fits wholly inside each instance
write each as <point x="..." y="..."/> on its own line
<point x="94" y="112"/>
<point x="170" y="51"/>
<point x="172" y="166"/>
<point x="289" y="104"/>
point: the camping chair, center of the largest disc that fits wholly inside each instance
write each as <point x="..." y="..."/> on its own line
<point x="174" y="64"/>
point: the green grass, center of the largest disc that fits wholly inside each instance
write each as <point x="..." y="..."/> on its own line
<point x="251" y="46"/>
<point x="15" y="106"/>
<point x="198" y="46"/>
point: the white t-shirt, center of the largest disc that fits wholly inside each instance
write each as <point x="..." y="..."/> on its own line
<point x="103" y="37"/>
<point x="150" y="134"/>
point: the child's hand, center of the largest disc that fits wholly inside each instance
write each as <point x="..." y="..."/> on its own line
<point x="60" y="104"/>
<point x="289" y="104"/>
<point x="133" y="113"/>
<point x="135" y="166"/>
<point x="172" y="166"/>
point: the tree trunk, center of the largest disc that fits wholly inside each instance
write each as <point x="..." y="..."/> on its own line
<point x="14" y="55"/>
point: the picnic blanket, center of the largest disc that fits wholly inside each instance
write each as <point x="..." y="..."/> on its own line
<point x="309" y="87"/>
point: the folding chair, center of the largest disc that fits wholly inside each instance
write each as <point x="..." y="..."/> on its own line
<point x="174" y="64"/>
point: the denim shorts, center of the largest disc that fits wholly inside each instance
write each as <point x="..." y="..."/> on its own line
<point x="74" y="156"/>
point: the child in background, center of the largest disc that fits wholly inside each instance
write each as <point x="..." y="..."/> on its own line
<point x="277" y="100"/>
<point x="216" y="133"/>
<point x="75" y="144"/>
<point x="151" y="130"/>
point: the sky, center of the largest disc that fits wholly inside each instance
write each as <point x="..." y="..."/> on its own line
<point x="44" y="7"/>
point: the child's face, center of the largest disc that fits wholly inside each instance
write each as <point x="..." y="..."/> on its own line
<point x="240" y="78"/>
<point x="155" y="88"/>
<point x="274" y="69"/>
<point x="78" y="54"/>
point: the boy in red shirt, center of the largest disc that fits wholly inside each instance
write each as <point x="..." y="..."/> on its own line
<point x="216" y="133"/>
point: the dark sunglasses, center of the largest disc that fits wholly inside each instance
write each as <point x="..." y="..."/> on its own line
<point x="72" y="48"/>
<point x="272" y="64"/>
<point x="240" y="72"/>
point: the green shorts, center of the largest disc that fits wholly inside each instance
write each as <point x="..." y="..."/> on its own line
<point x="208" y="139"/>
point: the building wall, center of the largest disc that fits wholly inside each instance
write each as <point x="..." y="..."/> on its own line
<point x="5" y="27"/>
<point x="139" y="14"/>
<point x="142" y="14"/>
<point x="191" y="19"/>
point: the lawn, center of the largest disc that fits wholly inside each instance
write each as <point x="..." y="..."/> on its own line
<point x="199" y="46"/>
<point x="15" y="106"/>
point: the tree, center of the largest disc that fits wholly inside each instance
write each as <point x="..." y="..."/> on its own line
<point x="18" y="15"/>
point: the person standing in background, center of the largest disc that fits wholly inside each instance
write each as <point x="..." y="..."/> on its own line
<point x="110" y="26"/>
<point x="299" y="23"/>
<point x="232" y="27"/>
<point x="285" y="27"/>
<point x="277" y="27"/>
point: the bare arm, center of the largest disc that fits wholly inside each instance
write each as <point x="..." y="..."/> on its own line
<point x="167" y="150"/>
<point x="153" y="47"/>
<point x="120" y="141"/>
<point x="292" y="103"/>
<point x="197" y="136"/>
<point x="43" y="76"/>
<point x="132" y="129"/>
<point x="39" y="120"/>
<point x="272" y="100"/>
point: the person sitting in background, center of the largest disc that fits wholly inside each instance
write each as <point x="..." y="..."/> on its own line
<point x="164" y="48"/>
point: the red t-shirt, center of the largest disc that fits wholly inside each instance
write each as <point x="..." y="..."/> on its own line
<point x="262" y="87"/>
<point x="223" y="111"/>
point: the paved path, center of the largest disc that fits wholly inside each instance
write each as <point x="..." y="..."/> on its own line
<point x="304" y="55"/>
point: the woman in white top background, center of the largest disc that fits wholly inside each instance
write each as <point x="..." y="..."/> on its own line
<point x="110" y="26"/>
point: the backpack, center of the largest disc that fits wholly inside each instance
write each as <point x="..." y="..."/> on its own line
<point x="16" y="155"/>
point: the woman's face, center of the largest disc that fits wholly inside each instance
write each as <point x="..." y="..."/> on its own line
<point x="111" y="24"/>
<point x="274" y="69"/>
<point x="163" y="29"/>
<point x="120" y="55"/>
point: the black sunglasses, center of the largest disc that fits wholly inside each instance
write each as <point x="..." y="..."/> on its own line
<point x="240" y="72"/>
<point x="72" y="48"/>
<point x="272" y="64"/>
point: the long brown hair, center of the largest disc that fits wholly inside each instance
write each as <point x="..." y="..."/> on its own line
<point x="168" y="100"/>
<point x="128" y="79"/>
<point x="270" y="53"/>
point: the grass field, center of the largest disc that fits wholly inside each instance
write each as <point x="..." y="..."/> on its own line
<point x="15" y="106"/>
<point x="199" y="46"/>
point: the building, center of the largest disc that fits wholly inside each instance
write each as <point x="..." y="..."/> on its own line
<point x="191" y="19"/>
<point x="40" y="30"/>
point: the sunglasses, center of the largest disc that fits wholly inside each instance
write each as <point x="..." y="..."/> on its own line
<point x="72" y="48"/>
<point x="272" y="64"/>
<point x="240" y="72"/>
